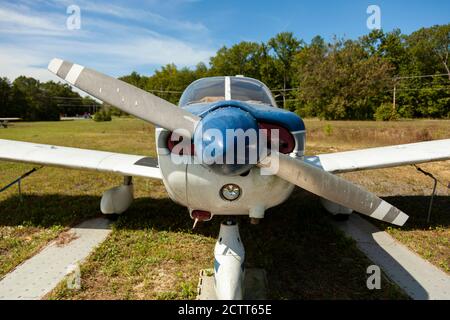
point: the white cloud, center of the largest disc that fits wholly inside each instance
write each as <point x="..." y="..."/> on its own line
<point x="20" y="20"/>
<point x="139" y="15"/>
<point x="144" y="50"/>
<point x="18" y="62"/>
<point x="29" y="39"/>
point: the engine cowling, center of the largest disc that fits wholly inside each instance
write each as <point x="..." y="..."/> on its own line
<point x="117" y="200"/>
<point x="213" y="143"/>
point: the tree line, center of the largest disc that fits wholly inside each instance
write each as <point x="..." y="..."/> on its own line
<point x="32" y="100"/>
<point x="342" y="79"/>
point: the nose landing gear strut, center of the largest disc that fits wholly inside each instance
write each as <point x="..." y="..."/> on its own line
<point x="229" y="256"/>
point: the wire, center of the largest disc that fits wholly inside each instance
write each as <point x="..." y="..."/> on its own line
<point x="67" y="98"/>
<point x="422" y="76"/>
<point x="79" y="105"/>
<point x="164" y="91"/>
<point x="289" y="89"/>
<point x="419" y="89"/>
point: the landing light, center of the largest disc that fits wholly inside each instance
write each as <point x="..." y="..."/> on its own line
<point x="230" y="192"/>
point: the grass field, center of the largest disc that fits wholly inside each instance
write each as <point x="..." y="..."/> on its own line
<point x="152" y="252"/>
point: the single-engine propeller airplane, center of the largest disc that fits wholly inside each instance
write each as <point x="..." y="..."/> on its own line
<point x="213" y="173"/>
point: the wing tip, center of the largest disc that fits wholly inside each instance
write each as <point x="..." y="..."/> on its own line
<point x="54" y="65"/>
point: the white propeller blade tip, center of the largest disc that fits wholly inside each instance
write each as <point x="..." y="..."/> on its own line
<point x="400" y="219"/>
<point x="54" y="65"/>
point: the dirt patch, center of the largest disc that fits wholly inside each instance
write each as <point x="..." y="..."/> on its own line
<point x="65" y="238"/>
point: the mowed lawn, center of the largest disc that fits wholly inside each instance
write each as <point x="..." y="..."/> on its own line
<point x="152" y="252"/>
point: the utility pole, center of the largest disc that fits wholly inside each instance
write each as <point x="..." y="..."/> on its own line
<point x="393" y="100"/>
<point x="412" y="77"/>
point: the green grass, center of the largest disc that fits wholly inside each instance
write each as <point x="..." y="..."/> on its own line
<point x="152" y="252"/>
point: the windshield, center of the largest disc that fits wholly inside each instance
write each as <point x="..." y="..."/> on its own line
<point x="214" y="89"/>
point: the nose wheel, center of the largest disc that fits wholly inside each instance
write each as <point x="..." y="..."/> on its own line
<point x="229" y="257"/>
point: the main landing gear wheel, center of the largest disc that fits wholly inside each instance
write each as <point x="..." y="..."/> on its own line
<point x="340" y="217"/>
<point x="112" y="216"/>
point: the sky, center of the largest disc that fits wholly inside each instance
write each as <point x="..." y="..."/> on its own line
<point x="117" y="37"/>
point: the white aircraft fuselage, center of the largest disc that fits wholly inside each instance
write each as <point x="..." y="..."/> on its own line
<point x="199" y="187"/>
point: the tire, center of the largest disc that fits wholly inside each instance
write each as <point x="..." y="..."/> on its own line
<point x="341" y="217"/>
<point x="112" y="217"/>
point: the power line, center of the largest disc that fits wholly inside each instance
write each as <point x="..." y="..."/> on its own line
<point x="422" y="76"/>
<point x="164" y="91"/>
<point x="173" y="91"/>
<point x="426" y="88"/>
<point x="290" y="89"/>
<point x="67" y="98"/>
<point x="79" y="105"/>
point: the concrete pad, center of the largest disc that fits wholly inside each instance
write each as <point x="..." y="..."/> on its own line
<point x="255" y="285"/>
<point x="37" y="276"/>
<point x="417" y="277"/>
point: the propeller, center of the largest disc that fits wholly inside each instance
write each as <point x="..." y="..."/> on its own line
<point x="126" y="97"/>
<point x="153" y="109"/>
<point x="332" y="187"/>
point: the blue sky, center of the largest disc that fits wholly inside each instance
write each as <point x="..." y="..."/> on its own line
<point x="117" y="37"/>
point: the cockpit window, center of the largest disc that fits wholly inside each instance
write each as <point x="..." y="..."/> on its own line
<point x="250" y="90"/>
<point x="214" y="89"/>
<point x="203" y="91"/>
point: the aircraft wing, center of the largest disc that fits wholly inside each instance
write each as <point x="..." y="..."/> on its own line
<point x="382" y="157"/>
<point x="74" y="158"/>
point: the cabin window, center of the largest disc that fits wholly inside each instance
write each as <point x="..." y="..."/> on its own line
<point x="208" y="90"/>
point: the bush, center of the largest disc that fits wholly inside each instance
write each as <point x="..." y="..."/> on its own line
<point x="328" y="129"/>
<point x="102" y="115"/>
<point x="385" y="113"/>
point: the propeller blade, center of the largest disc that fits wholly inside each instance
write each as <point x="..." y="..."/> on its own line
<point x="334" y="188"/>
<point x="126" y="97"/>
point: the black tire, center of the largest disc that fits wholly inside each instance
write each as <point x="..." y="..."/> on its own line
<point x="340" y="217"/>
<point x="112" y="217"/>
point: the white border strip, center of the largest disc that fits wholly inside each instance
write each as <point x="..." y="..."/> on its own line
<point x="381" y="211"/>
<point x="54" y="65"/>
<point x="227" y="88"/>
<point x="74" y="73"/>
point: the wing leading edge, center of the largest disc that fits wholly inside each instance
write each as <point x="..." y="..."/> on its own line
<point x="74" y="158"/>
<point x="382" y="157"/>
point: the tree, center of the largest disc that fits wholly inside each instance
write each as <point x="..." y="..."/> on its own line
<point x="430" y="49"/>
<point x="134" y="79"/>
<point x="342" y="83"/>
<point x="242" y="58"/>
<point x="285" y="46"/>
<point x="5" y="93"/>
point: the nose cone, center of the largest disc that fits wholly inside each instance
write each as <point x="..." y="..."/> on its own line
<point x="227" y="141"/>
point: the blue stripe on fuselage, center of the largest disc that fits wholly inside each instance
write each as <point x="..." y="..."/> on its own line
<point x="261" y="112"/>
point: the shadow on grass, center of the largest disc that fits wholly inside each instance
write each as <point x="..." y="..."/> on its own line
<point x="47" y="211"/>
<point x="305" y="257"/>
<point x="417" y="209"/>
